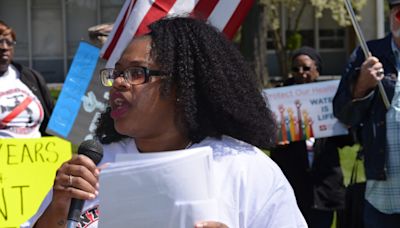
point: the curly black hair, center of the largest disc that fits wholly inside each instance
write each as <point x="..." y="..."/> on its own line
<point x="217" y="92"/>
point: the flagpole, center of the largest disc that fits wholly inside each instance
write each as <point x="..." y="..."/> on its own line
<point x="364" y="48"/>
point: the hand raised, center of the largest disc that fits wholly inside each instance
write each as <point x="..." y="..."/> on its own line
<point x="370" y="74"/>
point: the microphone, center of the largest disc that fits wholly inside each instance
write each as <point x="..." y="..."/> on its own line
<point x="93" y="150"/>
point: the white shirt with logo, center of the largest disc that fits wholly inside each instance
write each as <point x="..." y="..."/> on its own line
<point x="20" y="110"/>
<point x="251" y="189"/>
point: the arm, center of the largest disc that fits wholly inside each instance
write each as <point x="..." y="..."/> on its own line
<point x="83" y="185"/>
<point x="45" y="98"/>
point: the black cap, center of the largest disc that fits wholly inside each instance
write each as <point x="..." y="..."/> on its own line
<point x="312" y="53"/>
<point x="393" y="2"/>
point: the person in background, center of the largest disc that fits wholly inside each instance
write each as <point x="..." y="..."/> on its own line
<point x="184" y="85"/>
<point x="312" y="166"/>
<point x="25" y="100"/>
<point x="359" y="103"/>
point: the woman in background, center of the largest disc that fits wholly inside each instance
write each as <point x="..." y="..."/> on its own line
<point x="312" y="166"/>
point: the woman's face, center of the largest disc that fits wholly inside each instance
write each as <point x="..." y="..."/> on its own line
<point x="6" y="50"/>
<point x="304" y="69"/>
<point x="139" y="111"/>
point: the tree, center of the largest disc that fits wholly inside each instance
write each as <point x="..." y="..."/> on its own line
<point x="270" y="15"/>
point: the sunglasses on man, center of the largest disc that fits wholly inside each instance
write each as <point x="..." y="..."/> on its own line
<point x="304" y="68"/>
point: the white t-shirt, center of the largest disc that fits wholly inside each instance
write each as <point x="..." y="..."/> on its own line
<point x="251" y="189"/>
<point x="20" y="110"/>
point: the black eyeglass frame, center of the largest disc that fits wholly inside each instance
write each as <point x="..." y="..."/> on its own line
<point x="124" y="73"/>
<point x="9" y="43"/>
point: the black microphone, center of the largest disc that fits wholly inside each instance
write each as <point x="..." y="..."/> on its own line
<point x="93" y="150"/>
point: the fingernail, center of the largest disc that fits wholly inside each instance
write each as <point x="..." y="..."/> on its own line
<point x="96" y="193"/>
<point x="92" y="196"/>
<point x="96" y="172"/>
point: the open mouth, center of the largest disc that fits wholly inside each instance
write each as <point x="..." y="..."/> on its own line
<point x="119" y="105"/>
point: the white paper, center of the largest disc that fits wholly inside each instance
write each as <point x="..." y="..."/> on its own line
<point x="168" y="189"/>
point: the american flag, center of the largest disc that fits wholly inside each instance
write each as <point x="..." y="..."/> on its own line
<point x="135" y="15"/>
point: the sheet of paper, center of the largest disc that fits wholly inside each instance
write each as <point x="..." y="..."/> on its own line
<point x="168" y="189"/>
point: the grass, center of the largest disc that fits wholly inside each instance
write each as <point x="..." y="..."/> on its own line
<point x="347" y="157"/>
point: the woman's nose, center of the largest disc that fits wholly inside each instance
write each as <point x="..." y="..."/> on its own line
<point x="120" y="83"/>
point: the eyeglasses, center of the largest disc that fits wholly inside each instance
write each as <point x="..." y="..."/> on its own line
<point x="132" y="75"/>
<point x="9" y="43"/>
<point x="297" y="69"/>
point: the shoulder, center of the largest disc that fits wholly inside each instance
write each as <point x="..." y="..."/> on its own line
<point x="375" y="46"/>
<point x="242" y="158"/>
<point x="387" y="39"/>
<point x="28" y="73"/>
<point x="380" y="45"/>
<point x="227" y="146"/>
<point x="265" y="196"/>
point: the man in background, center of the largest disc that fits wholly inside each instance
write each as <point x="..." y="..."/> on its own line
<point x="359" y="103"/>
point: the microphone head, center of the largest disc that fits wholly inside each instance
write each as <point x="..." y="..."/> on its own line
<point x="92" y="149"/>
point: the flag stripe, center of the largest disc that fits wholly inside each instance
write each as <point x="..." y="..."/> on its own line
<point x="237" y="17"/>
<point x="222" y="12"/>
<point x="117" y="22"/>
<point x="204" y="8"/>
<point x="138" y="13"/>
<point x="183" y="7"/>
<point x="159" y="9"/>
<point x="121" y="22"/>
<point x="226" y="15"/>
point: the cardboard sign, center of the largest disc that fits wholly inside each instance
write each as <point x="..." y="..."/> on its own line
<point x="82" y="98"/>
<point x="305" y="111"/>
<point x="27" y="172"/>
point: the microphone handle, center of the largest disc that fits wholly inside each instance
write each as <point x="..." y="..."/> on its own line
<point x="72" y="224"/>
<point x="74" y="213"/>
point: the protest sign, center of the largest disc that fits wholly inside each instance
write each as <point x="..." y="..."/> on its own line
<point x="27" y="171"/>
<point x="305" y="111"/>
<point x="82" y="98"/>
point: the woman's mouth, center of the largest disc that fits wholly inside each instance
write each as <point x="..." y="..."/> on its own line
<point x="119" y="106"/>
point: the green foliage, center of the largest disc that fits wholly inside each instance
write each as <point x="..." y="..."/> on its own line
<point x="288" y="14"/>
<point x="54" y="93"/>
<point x="294" y="41"/>
<point x="338" y="9"/>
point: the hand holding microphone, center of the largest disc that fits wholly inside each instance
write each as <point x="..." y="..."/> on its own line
<point x="94" y="151"/>
<point x="76" y="181"/>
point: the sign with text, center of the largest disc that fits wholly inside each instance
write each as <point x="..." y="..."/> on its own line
<point x="305" y="111"/>
<point x="27" y="172"/>
<point x="82" y="98"/>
